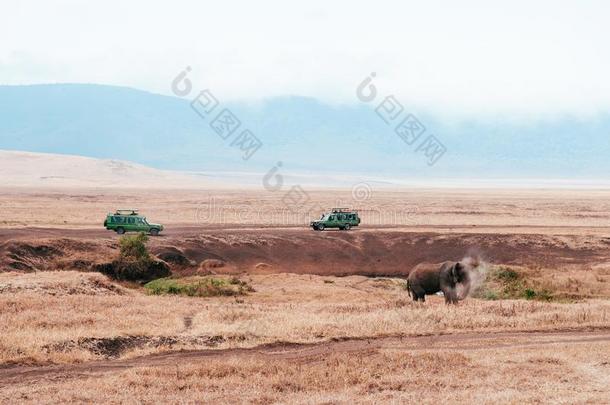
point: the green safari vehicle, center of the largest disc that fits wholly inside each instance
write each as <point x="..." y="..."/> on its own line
<point x="130" y="221"/>
<point x="342" y="218"/>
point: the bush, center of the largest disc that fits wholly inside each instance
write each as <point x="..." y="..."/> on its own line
<point x="142" y="271"/>
<point x="507" y="283"/>
<point x="542" y="295"/>
<point x="134" y="262"/>
<point x="134" y="247"/>
<point x="490" y="295"/>
<point x="529" y="294"/>
<point x="199" y="287"/>
<point x="506" y="274"/>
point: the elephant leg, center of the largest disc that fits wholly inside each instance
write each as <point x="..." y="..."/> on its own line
<point x="415" y="297"/>
<point x="454" y="298"/>
<point x="450" y="296"/>
<point x="418" y="293"/>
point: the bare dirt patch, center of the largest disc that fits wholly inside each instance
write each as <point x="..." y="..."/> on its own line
<point x="172" y="255"/>
<point x="114" y="347"/>
<point x="58" y="284"/>
<point x="378" y="253"/>
<point x="41" y="254"/>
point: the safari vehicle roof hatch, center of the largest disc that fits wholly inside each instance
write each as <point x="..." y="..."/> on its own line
<point x="126" y="212"/>
<point x="335" y="210"/>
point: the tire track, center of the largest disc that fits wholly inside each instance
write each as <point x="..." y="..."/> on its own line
<point x="311" y="352"/>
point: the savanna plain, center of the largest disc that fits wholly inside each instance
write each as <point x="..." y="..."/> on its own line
<point x="256" y="307"/>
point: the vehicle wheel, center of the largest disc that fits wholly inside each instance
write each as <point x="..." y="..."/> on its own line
<point x="154" y="232"/>
<point x="120" y="231"/>
<point x="320" y="227"/>
<point x="346" y="227"/>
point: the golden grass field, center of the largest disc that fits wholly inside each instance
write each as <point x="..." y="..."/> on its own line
<point x="65" y="307"/>
<point x="558" y="373"/>
<point x="567" y="211"/>
<point x="304" y="334"/>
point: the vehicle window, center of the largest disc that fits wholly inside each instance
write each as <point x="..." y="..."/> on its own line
<point x="131" y="220"/>
<point x="331" y="218"/>
<point x="118" y="220"/>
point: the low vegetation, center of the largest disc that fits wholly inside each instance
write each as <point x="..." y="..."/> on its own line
<point x="502" y="282"/>
<point x="134" y="248"/>
<point x="134" y="262"/>
<point x="199" y="286"/>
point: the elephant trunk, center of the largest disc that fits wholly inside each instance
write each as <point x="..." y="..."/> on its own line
<point x="462" y="289"/>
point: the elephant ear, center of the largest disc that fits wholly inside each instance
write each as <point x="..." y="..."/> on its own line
<point x="462" y="272"/>
<point x="457" y="270"/>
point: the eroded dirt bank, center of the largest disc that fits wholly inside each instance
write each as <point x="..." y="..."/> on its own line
<point x="269" y="250"/>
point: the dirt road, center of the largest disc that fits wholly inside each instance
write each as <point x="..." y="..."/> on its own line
<point x="306" y="353"/>
<point x="181" y="230"/>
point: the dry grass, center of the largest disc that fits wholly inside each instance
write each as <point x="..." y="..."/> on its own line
<point x="198" y="286"/>
<point x="578" y="373"/>
<point x="534" y="282"/>
<point x="69" y="317"/>
<point x="59" y="284"/>
<point x="451" y="207"/>
<point x="39" y="328"/>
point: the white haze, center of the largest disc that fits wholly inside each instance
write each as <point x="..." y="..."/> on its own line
<point x="471" y="58"/>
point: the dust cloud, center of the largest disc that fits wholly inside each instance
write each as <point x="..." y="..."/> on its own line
<point x="477" y="269"/>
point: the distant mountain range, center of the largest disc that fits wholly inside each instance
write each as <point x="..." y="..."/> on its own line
<point x="307" y="136"/>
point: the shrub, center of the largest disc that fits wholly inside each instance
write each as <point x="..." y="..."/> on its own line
<point x="529" y="294"/>
<point x="506" y="274"/>
<point x="134" y="247"/>
<point x="507" y="283"/>
<point x="142" y="271"/>
<point x="134" y="262"/>
<point x="199" y="286"/>
<point x="542" y="295"/>
<point x="490" y="295"/>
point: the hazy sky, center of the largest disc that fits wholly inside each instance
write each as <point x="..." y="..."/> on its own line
<point x="468" y="58"/>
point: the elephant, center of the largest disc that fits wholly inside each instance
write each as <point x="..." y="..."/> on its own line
<point x="452" y="278"/>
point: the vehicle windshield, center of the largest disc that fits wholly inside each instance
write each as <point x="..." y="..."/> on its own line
<point x="324" y="217"/>
<point x="145" y="221"/>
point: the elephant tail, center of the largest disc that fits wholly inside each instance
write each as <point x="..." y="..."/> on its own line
<point x="408" y="288"/>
